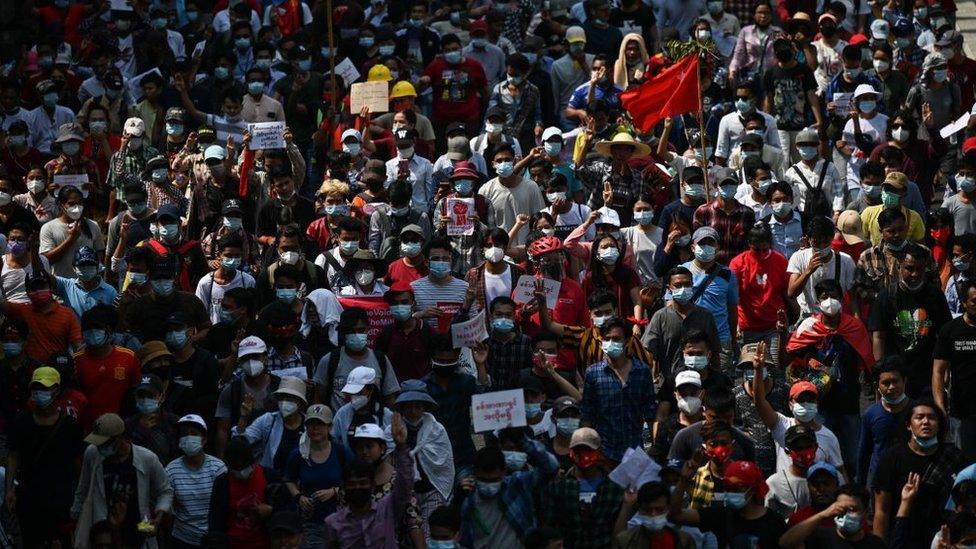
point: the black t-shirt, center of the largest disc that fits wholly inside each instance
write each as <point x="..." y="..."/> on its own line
<point x="828" y="538"/>
<point x="788" y="89"/>
<point x="121" y="484"/>
<point x="46" y="455"/>
<point x="270" y="216"/>
<point x="640" y="21"/>
<point x="957" y="344"/>
<point x="735" y="532"/>
<point x="199" y="374"/>
<point x="910" y="323"/>
<point x="289" y="441"/>
<point x="18" y="214"/>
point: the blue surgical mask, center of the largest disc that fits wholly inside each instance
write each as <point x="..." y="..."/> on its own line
<point x="169" y="232"/>
<point x="50" y="99"/>
<point x="242" y="43"/>
<point x="227" y="317"/>
<point x="653" y="524"/>
<point x="231" y="263"/>
<point x="704" y="253"/>
<point x="221" y="73"/>
<point x="514" y="461"/>
<point x="233" y="223"/>
<point x="960" y="265"/>
<point x="727" y="191"/>
<point x="349" y="247"/>
<point x="410" y="249"/>
<point x="356" y="342"/>
<point x="137" y="279"/>
<point x="401" y="312"/>
<point x="452" y="57"/>
<point x="440" y="269"/>
<point x="890" y="199"/>
<point x="735" y="500"/>
<point x="552" y="148"/>
<point x="807" y="152"/>
<point x="871" y="190"/>
<point x="304" y="65"/>
<point x="366" y="41"/>
<point x="191" y="445"/>
<point x="851" y="74"/>
<point x="613" y="349"/>
<point x="160" y="175"/>
<point x="804" y="411"/>
<point x="147" y="405"/>
<point x="42" y="399"/>
<point x="683" y="294"/>
<point x="95" y="337"/>
<point x="643" y="217"/>
<point x="896" y="247"/>
<point x="695" y="190"/>
<point x="763" y="185"/>
<point x="894" y="401"/>
<point x="12" y="348"/>
<point x="286" y="294"/>
<point x="255" y="87"/>
<point x="504" y="169"/>
<point x="488" y="489"/>
<point x="337" y="209"/>
<point x="464" y="186"/>
<point x="782" y="209"/>
<point x="926" y="443"/>
<point x="479" y="43"/>
<point x="98" y="126"/>
<point x="176" y="339"/>
<point x="502" y="325"/>
<point x="867" y="107"/>
<point x="566" y="425"/>
<point x="387" y="50"/>
<point x="697" y="363"/>
<point x="743" y="105"/>
<point x="264" y="63"/>
<point x="848" y="523"/>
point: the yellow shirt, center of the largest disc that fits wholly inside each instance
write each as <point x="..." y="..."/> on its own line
<point x="869" y="221"/>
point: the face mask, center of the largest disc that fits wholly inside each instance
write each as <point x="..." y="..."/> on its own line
<point x="304" y="65"/>
<point x="746" y="154"/>
<point x="265" y="64"/>
<point x="147" y="405"/>
<point x="690" y="405"/>
<point x="921" y="13"/>
<point x="867" y="107"/>
<point x="137" y="279"/>
<point x="727" y="191"/>
<point x="410" y="249"/>
<point x="881" y="65"/>
<point x="889" y="199"/>
<point x="231" y="263"/>
<point x="643" y="217"/>
<point x="900" y="135"/>
<point x="552" y="149"/>
<point x="697" y="363"/>
<point x="804" y="411"/>
<point x="966" y="184"/>
<point x="244" y="473"/>
<point x="440" y="269"/>
<point x="401" y="312"/>
<point x="682" y="241"/>
<point x="453" y="57"/>
<point x="548" y="232"/>
<point x="221" y="73"/>
<point x="359" y="401"/>
<point x="599" y="320"/>
<point x="191" y="445"/>
<point x="613" y="349"/>
<point x="851" y="74"/>
<point x="566" y="425"/>
<point x="12" y="348"/>
<point x="336" y="210"/>
<point x="653" y="524"/>
<point x="848" y="523"/>
<point x="926" y="443"/>
<point x="366" y="41"/>
<point x="803" y="458"/>
<point x="70" y="148"/>
<point x="695" y="190"/>
<point x="176" y="339"/>
<point x="872" y="191"/>
<point x="743" y="105"/>
<point x="352" y="148"/>
<point x="782" y="209"/>
<point x="252" y="367"/>
<point x="703" y="34"/>
<point x="16" y="247"/>
<point x="95" y="337"/>
<point x="896" y="247"/>
<point x="36" y="185"/>
<point x="42" y="399"/>
<point x="107" y="450"/>
<point x="290" y="258"/>
<point x="514" y="461"/>
<point x="349" y="247"/>
<point x="287" y="408"/>
<point x="763" y="185"/>
<point x="504" y="169"/>
<point x="50" y="99"/>
<point x="74" y="212"/>
<point x="169" y="232"/>
<point x="940" y="75"/>
<point x="494" y="254"/>
<point x="287" y="295"/>
<point x="159" y="23"/>
<point x="494" y="128"/>
<point x="488" y="489"/>
<point x="365" y="278"/>
<point x="233" y="223"/>
<point x="894" y="401"/>
<point x="735" y="500"/>
<point x="255" y="88"/>
<point x="405" y="153"/>
<point x="356" y="342"/>
<point x="960" y="265"/>
<point x="705" y="254"/>
<point x="608" y="256"/>
<point x="683" y="294"/>
<point x="464" y="186"/>
<point x="387" y="50"/>
<point x="40" y="298"/>
<point x="17" y="140"/>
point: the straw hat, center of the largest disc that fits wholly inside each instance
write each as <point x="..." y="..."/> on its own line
<point x="623" y="138"/>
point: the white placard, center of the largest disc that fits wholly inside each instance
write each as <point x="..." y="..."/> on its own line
<point x="498" y="410"/>
<point x="134" y="88"/>
<point x="470" y="332"/>
<point x="635" y="469"/>
<point x="373" y="95"/>
<point x="120" y="5"/>
<point x="347" y="71"/>
<point x="953" y="127"/>
<point x="459" y="211"/>
<point x="267" y="135"/>
<point x="524" y="291"/>
<point x="842" y="101"/>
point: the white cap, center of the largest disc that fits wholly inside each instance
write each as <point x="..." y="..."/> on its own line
<point x="575" y="34"/>
<point x="351" y="133"/>
<point x="359" y="377"/>
<point x="687" y="377"/>
<point x="369" y="430"/>
<point x="608" y="217"/>
<point x="879" y="29"/>
<point x="551" y="131"/>
<point x="251" y="345"/>
<point x="193" y="419"/>
<point x="134" y="127"/>
<point x="864" y="89"/>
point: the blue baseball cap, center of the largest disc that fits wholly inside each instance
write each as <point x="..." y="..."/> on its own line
<point x="85" y="255"/>
<point x="823" y="466"/>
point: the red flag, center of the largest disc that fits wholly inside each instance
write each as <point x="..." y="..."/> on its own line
<point x="672" y="92"/>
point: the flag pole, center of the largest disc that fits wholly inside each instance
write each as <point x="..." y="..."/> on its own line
<point x="701" y="127"/>
<point x="331" y="39"/>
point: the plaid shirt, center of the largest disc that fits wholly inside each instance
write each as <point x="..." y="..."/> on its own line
<point x="877" y="268"/>
<point x="626" y="188"/>
<point x="732" y="227"/>
<point x="514" y="498"/>
<point x="618" y="410"/>
<point x="475" y="278"/>
<point x="589" y="347"/>
<point x="506" y="358"/>
<point x="587" y="524"/>
<point x="126" y="162"/>
<point x="704" y="487"/>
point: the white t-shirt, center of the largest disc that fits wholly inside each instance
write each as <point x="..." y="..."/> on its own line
<point x="13" y="281"/>
<point x="497" y="284"/>
<point x="828" y="446"/>
<point x="798" y="264"/>
<point x="787" y="492"/>
<point x="212" y="294"/>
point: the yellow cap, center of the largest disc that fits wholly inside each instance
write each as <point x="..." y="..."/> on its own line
<point x="379" y="72"/>
<point x="46" y="376"/>
<point x="403" y="89"/>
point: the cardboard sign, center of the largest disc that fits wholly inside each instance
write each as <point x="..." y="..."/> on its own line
<point x="377" y="313"/>
<point x="470" y="332"/>
<point x="375" y="95"/>
<point x="450" y="309"/>
<point x="267" y="135"/>
<point x="524" y="291"/>
<point x="493" y="411"/>
<point x="842" y="102"/>
<point x="459" y="211"/>
<point x="347" y="71"/>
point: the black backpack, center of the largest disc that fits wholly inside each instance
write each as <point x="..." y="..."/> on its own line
<point x="815" y="203"/>
<point x="391" y="226"/>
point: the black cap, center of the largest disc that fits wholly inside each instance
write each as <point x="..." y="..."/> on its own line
<point x="798" y="433"/>
<point x="497" y="112"/>
<point x="530" y="382"/>
<point x="456" y="127"/>
<point x="405" y="136"/>
<point x="691" y="173"/>
<point x="178" y="318"/>
<point x="752" y="139"/>
<point x="231" y="205"/>
<point x="564" y="403"/>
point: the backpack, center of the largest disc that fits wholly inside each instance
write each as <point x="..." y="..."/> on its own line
<point x="391" y="227"/>
<point x="334" y="365"/>
<point x="815" y="202"/>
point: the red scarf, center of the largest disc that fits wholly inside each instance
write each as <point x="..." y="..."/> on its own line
<point x="850" y="328"/>
<point x="289" y="17"/>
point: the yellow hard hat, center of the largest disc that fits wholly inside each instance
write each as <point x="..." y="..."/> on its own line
<point x="403" y="89"/>
<point x="379" y="72"/>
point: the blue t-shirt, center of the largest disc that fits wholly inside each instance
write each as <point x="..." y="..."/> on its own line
<point x="722" y="292"/>
<point x="611" y="96"/>
<point x="878" y="433"/>
<point x="79" y="299"/>
<point x="312" y="477"/>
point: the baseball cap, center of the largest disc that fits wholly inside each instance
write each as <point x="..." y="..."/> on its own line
<point x="575" y="34"/>
<point x="748" y="354"/>
<point x="321" y="412"/>
<point x="456" y="127"/>
<point x="723" y="175"/>
<point x="807" y="136"/>
<point x="150" y="382"/>
<point x="412" y="228"/>
<point x="752" y="140"/>
<point x="551" y="131"/>
<point x="134" y="127"/>
<point x="351" y="133"/>
<point x="178" y="318"/>
<point x="251" y="345"/>
<point x="106" y="427"/>
<point x="214" y="152"/>
<point x="478" y="25"/>
<point x="46" y="376"/>
<point x="85" y="255"/>
<point x="169" y="210"/>
<point x="177" y="114"/>
<point x="585" y="436"/>
<point x="231" y="205"/>
<point x="359" y="377"/>
<point x="880" y="29"/>
<point x="564" y="403"/>
<point x="864" y="89"/>
<point x="796" y="433"/>
<point x="823" y="466"/>
<point x="405" y="137"/>
<point x="369" y="430"/>
<point x="692" y="173"/>
<point x="608" y="216"/>
<point x="849" y="224"/>
<point x="496" y="112"/>
<point x="969" y="144"/>
<point x="746" y="474"/>
<point x="801" y="387"/>
<point x="458" y="148"/>
<point x="701" y="233"/>
<point x="398" y="287"/>
<point x="687" y="377"/>
<point x="193" y="419"/>
<point x="897" y="180"/>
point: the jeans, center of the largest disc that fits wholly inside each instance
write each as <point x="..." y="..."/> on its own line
<point x="847" y="429"/>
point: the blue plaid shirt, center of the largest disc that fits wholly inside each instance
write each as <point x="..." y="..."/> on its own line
<point x="615" y="410"/>
<point x="515" y="496"/>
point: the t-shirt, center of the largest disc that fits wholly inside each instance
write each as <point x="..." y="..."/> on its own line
<point x="828" y="538"/>
<point x="448" y="297"/>
<point x="956" y="344"/>
<point x="689" y="440"/>
<point x="191" y="494"/>
<point x="55" y="231"/>
<point x="498" y="285"/>
<point x="399" y="271"/>
<point x="508" y="202"/>
<point x="963" y="214"/>
<point x="787" y="492"/>
<point x="828" y="446"/>
<point x="225" y="406"/>
<point x="455" y="88"/>
<point x="346" y="365"/>
<point x="50" y="332"/>
<point x="121" y="484"/>
<point x="46" y="475"/>
<point x="12" y="281"/>
<point x="211" y="294"/>
<point x="105" y="379"/>
<point x="827" y="271"/>
<point x="735" y="532"/>
<point x="311" y="476"/>
<point x="787" y="89"/>
<point x="762" y="285"/>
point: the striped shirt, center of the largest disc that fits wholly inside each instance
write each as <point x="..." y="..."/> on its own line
<point x="449" y="297"/>
<point x="589" y="347"/>
<point x="191" y="490"/>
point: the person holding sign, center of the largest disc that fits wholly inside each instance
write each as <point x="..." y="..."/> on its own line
<point x="439" y="294"/>
<point x="495" y="277"/>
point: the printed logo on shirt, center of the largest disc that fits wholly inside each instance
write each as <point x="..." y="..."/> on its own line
<point x="120" y="373"/>
<point x="913" y="326"/>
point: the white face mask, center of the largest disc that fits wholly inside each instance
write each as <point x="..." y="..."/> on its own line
<point x="830" y="306"/>
<point x="252" y="367"/>
<point x="494" y="254"/>
<point x="365" y="277"/>
<point x="287" y="407"/>
<point x="74" y="212"/>
<point x="690" y="405"/>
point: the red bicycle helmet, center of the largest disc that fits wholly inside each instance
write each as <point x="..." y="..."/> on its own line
<point x="544" y="245"/>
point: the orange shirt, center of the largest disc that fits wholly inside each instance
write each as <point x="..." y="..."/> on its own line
<point x="104" y="379"/>
<point x="50" y="332"/>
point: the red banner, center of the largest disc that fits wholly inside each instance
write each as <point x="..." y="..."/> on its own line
<point x="377" y="310"/>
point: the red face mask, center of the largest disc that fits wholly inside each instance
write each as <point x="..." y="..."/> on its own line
<point x="40" y="298"/>
<point x="719" y="454"/>
<point x="584" y="459"/>
<point x="941" y="236"/>
<point x="803" y="458"/>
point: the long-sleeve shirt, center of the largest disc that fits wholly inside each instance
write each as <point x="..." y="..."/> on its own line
<point x="421" y="178"/>
<point x="618" y="411"/>
<point x="753" y="51"/>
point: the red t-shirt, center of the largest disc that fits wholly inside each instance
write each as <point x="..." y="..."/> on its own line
<point x="244" y="528"/>
<point x="456" y="88"/>
<point x="399" y="271"/>
<point x="570" y="310"/>
<point x="625" y="305"/>
<point x="103" y="380"/>
<point x="762" y="285"/>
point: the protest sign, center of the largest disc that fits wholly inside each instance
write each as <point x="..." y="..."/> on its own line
<point x="347" y="71"/>
<point x="497" y="410"/>
<point x="470" y="332"/>
<point x="77" y="180"/>
<point x="377" y="312"/>
<point x="267" y="135"/>
<point x="525" y="288"/>
<point x="955" y="126"/>
<point x="449" y="310"/>
<point x="374" y="95"/>
<point x="635" y="469"/>
<point x="459" y="211"/>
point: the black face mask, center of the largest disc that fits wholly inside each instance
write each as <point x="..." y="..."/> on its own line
<point x="828" y="31"/>
<point x="444" y="370"/>
<point x="358" y="497"/>
<point x="783" y="55"/>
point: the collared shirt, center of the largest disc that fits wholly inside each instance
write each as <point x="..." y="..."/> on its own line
<point x="703" y="488"/>
<point x="878" y="268"/>
<point x="754" y="51"/>
<point x="731" y="129"/>
<point x="731" y="226"/>
<point x="589" y="347"/>
<point x="616" y="409"/>
<point x="869" y="221"/>
<point x="786" y="234"/>
<point x="421" y="178"/>
<point x="722" y="292"/>
<point x="80" y="299"/>
<point x="265" y="109"/>
<point x="44" y="127"/>
<point x="585" y="517"/>
<point x="834" y="187"/>
<point x="506" y="358"/>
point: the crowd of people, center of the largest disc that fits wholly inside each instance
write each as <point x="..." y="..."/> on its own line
<point x="232" y="299"/>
